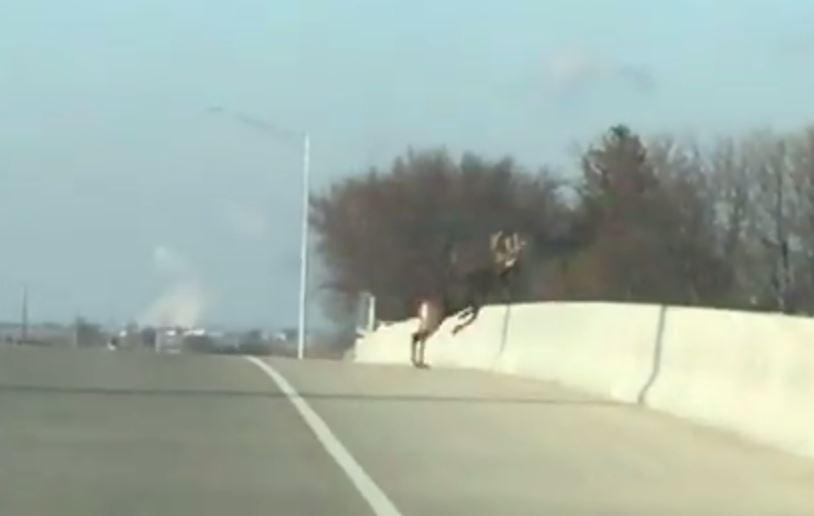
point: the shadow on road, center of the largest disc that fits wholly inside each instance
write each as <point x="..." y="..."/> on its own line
<point x="213" y="393"/>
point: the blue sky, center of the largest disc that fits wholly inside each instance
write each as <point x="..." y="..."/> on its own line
<point x="110" y="168"/>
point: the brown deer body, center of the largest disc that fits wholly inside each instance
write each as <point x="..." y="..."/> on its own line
<point x="473" y="278"/>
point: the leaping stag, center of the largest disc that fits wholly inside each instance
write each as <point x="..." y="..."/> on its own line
<point x="476" y="270"/>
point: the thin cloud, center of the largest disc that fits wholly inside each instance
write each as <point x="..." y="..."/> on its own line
<point x="577" y="72"/>
<point x="641" y="77"/>
<point x="249" y="222"/>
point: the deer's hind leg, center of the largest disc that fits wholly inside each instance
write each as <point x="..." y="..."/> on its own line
<point x="422" y="346"/>
<point x="414" y="343"/>
<point x="417" y="349"/>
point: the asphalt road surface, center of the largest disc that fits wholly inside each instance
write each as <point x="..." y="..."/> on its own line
<point x="103" y="433"/>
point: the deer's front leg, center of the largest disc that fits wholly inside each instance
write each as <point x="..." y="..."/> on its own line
<point x="471" y="314"/>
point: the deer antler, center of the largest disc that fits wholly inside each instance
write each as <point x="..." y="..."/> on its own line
<point x="516" y="244"/>
<point x="494" y="240"/>
<point x="511" y="243"/>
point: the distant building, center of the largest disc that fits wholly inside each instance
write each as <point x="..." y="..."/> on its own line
<point x="56" y="335"/>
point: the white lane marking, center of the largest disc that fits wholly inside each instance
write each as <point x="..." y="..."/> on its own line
<point x="372" y="493"/>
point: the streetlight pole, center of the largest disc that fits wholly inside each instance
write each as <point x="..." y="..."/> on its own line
<point x="288" y="135"/>
<point x="306" y="188"/>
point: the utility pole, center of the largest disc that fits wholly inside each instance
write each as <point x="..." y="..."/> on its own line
<point x="24" y="315"/>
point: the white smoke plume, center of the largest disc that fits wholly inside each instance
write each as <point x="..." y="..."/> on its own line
<point x="185" y="299"/>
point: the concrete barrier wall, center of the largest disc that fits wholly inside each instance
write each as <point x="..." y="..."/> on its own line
<point x="389" y="344"/>
<point x="477" y="346"/>
<point x="745" y="372"/>
<point x="603" y="348"/>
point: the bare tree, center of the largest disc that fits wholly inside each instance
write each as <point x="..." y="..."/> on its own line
<point x="769" y="158"/>
<point x="802" y="225"/>
<point x="387" y="232"/>
<point x="651" y="214"/>
<point x="658" y="220"/>
<point x="735" y="194"/>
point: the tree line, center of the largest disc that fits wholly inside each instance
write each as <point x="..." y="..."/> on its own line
<point x="728" y="224"/>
